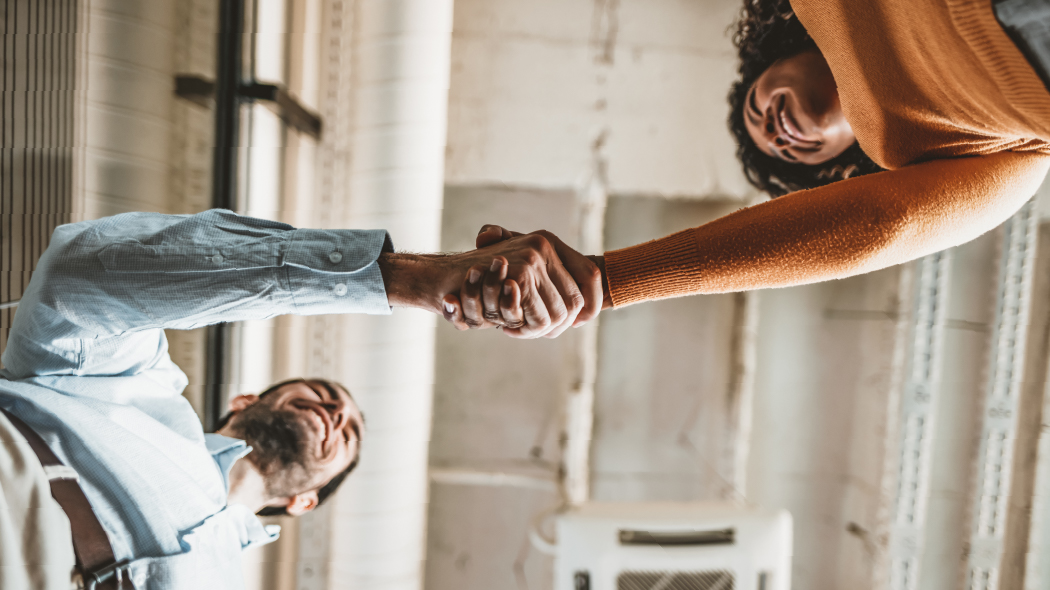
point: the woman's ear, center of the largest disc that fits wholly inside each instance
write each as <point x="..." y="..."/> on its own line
<point x="243" y="401"/>
<point x="300" y="504"/>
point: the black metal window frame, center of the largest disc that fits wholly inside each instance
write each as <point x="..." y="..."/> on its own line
<point x="233" y="87"/>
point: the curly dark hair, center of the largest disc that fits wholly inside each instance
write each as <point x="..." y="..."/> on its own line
<point x="768" y="31"/>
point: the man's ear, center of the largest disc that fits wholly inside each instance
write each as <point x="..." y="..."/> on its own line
<point x="300" y="504"/>
<point x="242" y="401"/>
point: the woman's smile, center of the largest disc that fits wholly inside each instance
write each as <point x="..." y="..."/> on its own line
<point x="793" y="111"/>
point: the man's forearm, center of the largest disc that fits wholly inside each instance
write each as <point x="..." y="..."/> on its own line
<point x="599" y="261"/>
<point x="417" y="280"/>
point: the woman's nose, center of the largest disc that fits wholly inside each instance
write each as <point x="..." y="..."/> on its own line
<point x="772" y="135"/>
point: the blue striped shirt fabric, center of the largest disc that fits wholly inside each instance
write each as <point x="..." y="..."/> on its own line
<point x="87" y="367"/>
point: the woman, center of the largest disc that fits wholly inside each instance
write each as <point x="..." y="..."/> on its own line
<point x="899" y="128"/>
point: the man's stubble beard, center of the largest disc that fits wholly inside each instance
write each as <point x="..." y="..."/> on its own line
<point x="279" y="440"/>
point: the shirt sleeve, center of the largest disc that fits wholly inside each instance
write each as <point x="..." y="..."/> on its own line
<point x="836" y="231"/>
<point x="105" y="290"/>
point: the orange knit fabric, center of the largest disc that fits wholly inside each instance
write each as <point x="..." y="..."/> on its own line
<point x="936" y="93"/>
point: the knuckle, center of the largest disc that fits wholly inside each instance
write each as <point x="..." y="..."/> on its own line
<point x="545" y="243"/>
<point x="538" y="241"/>
<point x="558" y="315"/>
<point x="593" y="274"/>
<point x="533" y="257"/>
<point x="577" y="301"/>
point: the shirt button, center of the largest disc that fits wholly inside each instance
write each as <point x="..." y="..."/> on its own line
<point x="335" y="257"/>
<point x="340" y="289"/>
<point x="216" y="259"/>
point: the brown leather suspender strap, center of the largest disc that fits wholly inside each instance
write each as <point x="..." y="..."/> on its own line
<point x="94" y="554"/>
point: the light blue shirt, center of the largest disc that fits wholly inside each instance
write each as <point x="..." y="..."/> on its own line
<point x="87" y="367"/>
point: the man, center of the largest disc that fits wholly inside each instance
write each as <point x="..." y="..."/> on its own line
<point x="88" y="374"/>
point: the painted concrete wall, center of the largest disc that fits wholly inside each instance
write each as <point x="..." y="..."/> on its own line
<point x="824" y="368"/>
<point x="661" y="409"/>
<point x="497" y="410"/>
<point x="535" y="84"/>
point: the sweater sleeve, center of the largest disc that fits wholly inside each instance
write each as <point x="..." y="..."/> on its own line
<point x="832" y="232"/>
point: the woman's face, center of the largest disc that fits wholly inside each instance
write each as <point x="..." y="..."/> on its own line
<point x="793" y="111"/>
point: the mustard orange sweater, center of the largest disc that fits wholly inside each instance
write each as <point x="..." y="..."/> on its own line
<point x="936" y="93"/>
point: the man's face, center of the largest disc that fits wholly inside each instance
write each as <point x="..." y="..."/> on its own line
<point x="302" y="435"/>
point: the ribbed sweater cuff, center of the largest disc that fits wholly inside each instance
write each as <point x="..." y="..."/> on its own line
<point x="667" y="267"/>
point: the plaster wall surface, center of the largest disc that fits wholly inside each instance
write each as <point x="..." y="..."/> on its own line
<point x="661" y="403"/>
<point x="824" y="358"/>
<point x="497" y="410"/>
<point x="536" y="86"/>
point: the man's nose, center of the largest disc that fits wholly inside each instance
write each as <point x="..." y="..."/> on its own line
<point x="340" y="416"/>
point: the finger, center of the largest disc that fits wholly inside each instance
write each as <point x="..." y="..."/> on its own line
<point x="553" y="306"/>
<point x="470" y="298"/>
<point x="491" y="234"/>
<point x="569" y="296"/>
<point x="510" y="306"/>
<point x="588" y="277"/>
<point x="518" y="333"/>
<point x="490" y="290"/>
<point x="586" y="274"/>
<point x="452" y="312"/>
<point x="538" y="299"/>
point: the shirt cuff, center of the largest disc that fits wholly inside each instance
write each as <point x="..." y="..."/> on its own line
<point x="337" y="271"/>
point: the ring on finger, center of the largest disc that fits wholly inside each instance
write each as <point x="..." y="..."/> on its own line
<point x="493" y="317"/>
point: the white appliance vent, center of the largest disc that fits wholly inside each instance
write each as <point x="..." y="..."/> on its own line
<point x="709" y="580"/>
<point x="682" y="546"/>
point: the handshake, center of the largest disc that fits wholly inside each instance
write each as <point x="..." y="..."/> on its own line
<point x="530" y="285"/>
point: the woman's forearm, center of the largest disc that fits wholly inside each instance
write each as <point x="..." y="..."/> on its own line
<point x="844" y="229"/>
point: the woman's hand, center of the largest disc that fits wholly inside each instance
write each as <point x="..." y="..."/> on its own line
<point x="492" y="300"/>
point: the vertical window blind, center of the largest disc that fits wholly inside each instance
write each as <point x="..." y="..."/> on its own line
<point x="36" y="133"/>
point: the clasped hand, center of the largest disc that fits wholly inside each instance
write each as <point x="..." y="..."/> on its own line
<point x="530" y="285"/>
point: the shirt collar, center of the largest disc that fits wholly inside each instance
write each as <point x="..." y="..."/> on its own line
<point x="251" y="531"/>
<point x="225" y="451"/>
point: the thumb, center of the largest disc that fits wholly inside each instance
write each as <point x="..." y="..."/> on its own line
<point x="493" y="234"/>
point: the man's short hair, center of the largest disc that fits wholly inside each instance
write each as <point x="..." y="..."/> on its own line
<point x="327" y="489"/>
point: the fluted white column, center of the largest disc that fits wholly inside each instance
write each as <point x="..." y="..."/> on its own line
<point x="384" y="168"/>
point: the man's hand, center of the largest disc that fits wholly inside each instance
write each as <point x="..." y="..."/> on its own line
<point x="485" y="306"/>
<point x="494" y="301"/>
<point x="526" y="268"/>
